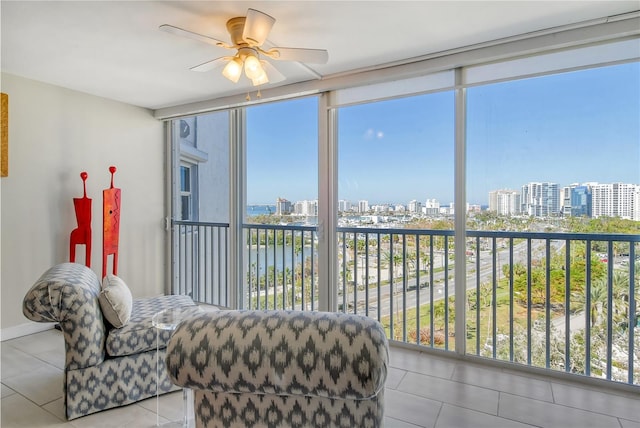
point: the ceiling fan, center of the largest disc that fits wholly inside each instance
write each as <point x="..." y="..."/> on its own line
<point x="248" y="34"/>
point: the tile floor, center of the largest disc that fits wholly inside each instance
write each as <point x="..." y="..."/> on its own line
<point x="421" y="391"/>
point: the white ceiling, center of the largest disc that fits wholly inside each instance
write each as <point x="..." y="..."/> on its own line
<point x="114" y="49"/>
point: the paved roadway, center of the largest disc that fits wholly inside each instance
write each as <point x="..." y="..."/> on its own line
<point x="486" y="275"/>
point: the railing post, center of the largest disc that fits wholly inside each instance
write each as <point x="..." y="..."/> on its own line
<point x="460" y="215"/>
<point x="237" y="203"/>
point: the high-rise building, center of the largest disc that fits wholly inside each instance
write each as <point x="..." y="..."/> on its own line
<point x="581" y="201"/>
<point x="380" y="208"/>
<point x="344" y="206"/>
<point x="616" y="200"/>
<point x="636" y="205"/>
<point x="576" y="200"/>
<point x="363" y="206"/>
<point x="415" y="206"/>
<point x="432" y="207"/>
<point x="308" y="208"/>
<point x="540" y="199"/>
<point x="504" y="202"/>
<point x="565" y="199"/>
<point x="283" y="207"/>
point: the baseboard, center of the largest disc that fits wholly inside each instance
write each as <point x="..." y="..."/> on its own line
<point x="24" y="330"/>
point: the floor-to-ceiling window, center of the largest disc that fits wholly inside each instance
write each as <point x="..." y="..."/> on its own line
<point x="395" y="214"/>
<point x="280" y="264"/>
<point x="550" y="159"/>
<point x="200" y="206"/>
<point x="549" y="148"/>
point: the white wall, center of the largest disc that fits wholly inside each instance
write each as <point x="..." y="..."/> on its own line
<point x="213" y="175"/>
<point x="54" y="134"/>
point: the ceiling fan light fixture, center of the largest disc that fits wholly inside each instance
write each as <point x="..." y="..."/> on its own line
<point x="257" y="26"/>
<point x="261" y="79"/>
<point x="248" y="34"/>
<point x="252" y="67"/>
<point x="233" y="70"/>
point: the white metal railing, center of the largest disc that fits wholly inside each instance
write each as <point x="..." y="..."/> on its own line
<point x="561" y="301"/>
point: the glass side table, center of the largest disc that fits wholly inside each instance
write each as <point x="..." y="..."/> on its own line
<point x="169" y="319"/>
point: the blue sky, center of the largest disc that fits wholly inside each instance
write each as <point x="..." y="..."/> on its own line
<point x="572" y="127"/>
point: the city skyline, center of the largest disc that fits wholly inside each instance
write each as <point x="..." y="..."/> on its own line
<point x="423" y="200"/>
<point x="569" y="128"/>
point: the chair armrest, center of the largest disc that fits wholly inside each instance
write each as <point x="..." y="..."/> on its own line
<point x="68" y="294"/>
<point x="322" y="354"/>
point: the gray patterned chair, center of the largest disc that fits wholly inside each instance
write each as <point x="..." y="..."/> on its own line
<point x="105" y="367"/>
<point x="281" y="368"/>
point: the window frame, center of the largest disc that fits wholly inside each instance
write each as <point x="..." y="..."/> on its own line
<point x="330" y="98"/>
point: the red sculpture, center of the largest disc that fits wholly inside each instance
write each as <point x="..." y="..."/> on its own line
<point x="111" y="225"/>
<point x="82" y="234"/>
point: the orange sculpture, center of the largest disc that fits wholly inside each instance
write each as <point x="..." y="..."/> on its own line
<point x="82" y="234"/>
<point x="111" y="225"/>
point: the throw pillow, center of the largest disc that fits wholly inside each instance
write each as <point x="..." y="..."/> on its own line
<point x="115" y="301"/>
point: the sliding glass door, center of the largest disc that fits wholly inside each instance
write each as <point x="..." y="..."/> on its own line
<point x="491" y="210"/>
<point x="553" y="165"/>
<point x="280" y="220"/>
<point x="395" y="215"/>
<point x="200" y="207"/>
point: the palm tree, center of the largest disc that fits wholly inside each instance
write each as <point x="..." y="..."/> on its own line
<point x="411" y="263"/>
<point x="598" y="301"/>
<point x="394" y="261"/>
<point x="600" y="298"/>
<point x="620" y="299"/>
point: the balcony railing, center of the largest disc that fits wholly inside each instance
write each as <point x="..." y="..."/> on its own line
<point x="560" y="301"/>
<point x="200" y="261"/>
<point x="281" y="268"/>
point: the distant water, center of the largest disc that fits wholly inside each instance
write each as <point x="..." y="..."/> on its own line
<point x="254" y="210"/>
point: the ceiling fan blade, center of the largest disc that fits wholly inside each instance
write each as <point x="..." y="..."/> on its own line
<point x="211" y="65"/>
<point x="272" y="73"/>
<point x="312" y="56"/>
<point x="191" y="35"/>
<point x="257" y="26"/>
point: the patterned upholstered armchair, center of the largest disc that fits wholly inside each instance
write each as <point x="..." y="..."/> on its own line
<point x="281" y="368"/>
<point x="105" y="366"/>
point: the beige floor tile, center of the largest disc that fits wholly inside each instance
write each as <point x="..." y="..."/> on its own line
<point x="447" y="391"/>
<point x="15" y="362"/>
<point x="54" y="360"/>
<point x="609" y="403"/>
<point x="396" y="423"/>
<point x="629" y="424"/>
<point x="56" y="408"/>
<point x="170" y="406"/>
<point x="19" y="412"/>
<point x="170" y="410"/>
<point x="394" y="376"/>
<point x="41" y="385"/>
<point x="47" y="346"/>
<point x="422" y="390"/>
<point x="457" y="417"/>
<point x="411" y="408"/>
<point x="45" y="341"/>
<point x="498" y="380"/>
<point x="6" y="391"/>
<point x="421" y="362"/>
<point x="131" y="416"/>
<point x="543" y="414"/>
<point x="53" y="357"/>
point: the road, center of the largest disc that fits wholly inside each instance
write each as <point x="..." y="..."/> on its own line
<point x="486" y="276"/>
